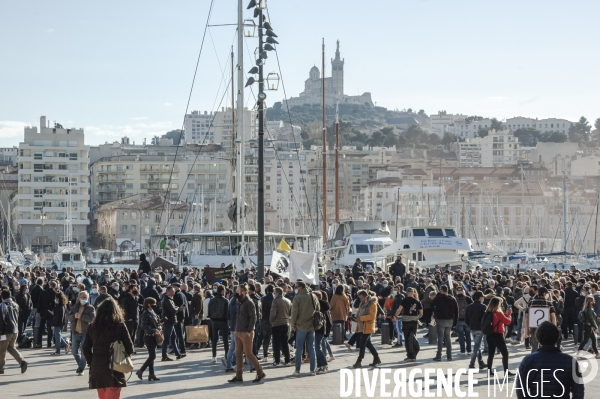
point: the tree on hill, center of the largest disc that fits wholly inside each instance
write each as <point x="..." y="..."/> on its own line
<point x="527" y="136"/>
<point x="176" y="135"/>
<point x="495" y="125"/>
<point x="580" y="131"/>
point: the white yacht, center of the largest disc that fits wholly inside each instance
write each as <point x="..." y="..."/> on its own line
<point x="69" y="255"/>
<point x="427" y="246"/>
<point x="101" y="256"/>
<point x="352" y="239"/>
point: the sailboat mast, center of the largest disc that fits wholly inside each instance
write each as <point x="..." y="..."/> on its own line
<point x="564" y="187"/>
<point x="241" y="142"/>
<point x="324" y="148"/>
<point x="337" y="164"/>
<point x="233" y="150"/>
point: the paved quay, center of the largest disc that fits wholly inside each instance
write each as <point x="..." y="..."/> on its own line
<point x="194" y="376"/>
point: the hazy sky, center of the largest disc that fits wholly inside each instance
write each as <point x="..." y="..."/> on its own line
<point x="125" y="67"/>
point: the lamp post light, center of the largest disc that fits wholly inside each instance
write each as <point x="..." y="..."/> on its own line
<point x="272" y="81"/>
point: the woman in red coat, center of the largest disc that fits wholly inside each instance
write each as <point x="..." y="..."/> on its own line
<point x="496" y="339"/>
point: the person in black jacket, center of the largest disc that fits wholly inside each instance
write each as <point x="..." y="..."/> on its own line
<point x="398" y="269"/>
<point x="266" y="302"/>
<point x="569" y="311"/>
<point x="144" y="265"/>
<point x="445" y="311"/>
<point x="560" y="379"/>
<point x="59" y="319"/>
<point x="129" y="303"/>
<point x="150" y="324"/>
<point x="45" y="307"/>
<point x="322" y="334"/>
<point x="357" y="269"/>
<point x="36" y="292"/>
<point x="169" y="318"/>
<point x="473" y="315"/>
<point x="217" y="313"/>
<point x="24" y="301"/>
<point x="182" y="303"/>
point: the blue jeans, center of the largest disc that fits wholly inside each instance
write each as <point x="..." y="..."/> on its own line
<point x="519" y="325"/>
<point x="463" y="332"/>
<point x="321" y="349"/>
<point x="309" y="337"/>
<point x="398" y="329"/>
<point x="230" y="356"/>
<point x="59" y="342"/>
<point x="77" y="342"/>
<point x="477" y="337"/>
<point x="170" y="337"/>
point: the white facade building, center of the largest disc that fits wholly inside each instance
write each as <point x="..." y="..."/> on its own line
<point x="216" y="128"/>
<point x="497" y="149"/>
<point x="53" y="185"/>
<point x="541" y="125"/>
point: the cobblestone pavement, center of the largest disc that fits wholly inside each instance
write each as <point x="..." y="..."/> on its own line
<point x="194" y="376"/>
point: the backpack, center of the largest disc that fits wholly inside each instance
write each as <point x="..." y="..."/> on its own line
<point x="487" y="326"/>
<point x="581" y="317"/>
<point x="462" y="307"/>
<point x="318" y="317"/>
<point x="25" y="342"/>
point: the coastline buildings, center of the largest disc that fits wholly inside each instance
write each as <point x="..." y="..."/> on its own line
<point x="53" y="187"/>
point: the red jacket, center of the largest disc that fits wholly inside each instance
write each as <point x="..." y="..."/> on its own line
<point x="499" y="321"/>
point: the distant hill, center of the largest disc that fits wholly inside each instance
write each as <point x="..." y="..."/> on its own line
<point x="356" y="114"/>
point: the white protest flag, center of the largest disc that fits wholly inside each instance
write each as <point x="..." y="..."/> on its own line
<point x="303" y="266"/>
<point x="279" y="263"/>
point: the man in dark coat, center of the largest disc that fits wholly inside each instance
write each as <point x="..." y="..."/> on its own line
<point x="357" y="269"/>
<point x="560" y="380"/>
<point x="44" y="308"/>
<point x="398" y="269"/>
<point x="144" y="265"/>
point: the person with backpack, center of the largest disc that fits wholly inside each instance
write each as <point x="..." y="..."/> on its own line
<point x="322" y="333"/>
<point x="411" y="310"/>
<point x="9" y="316"/>
<point x="590" y="325"/>
<point x="473" y="317"/>
<point x="492" y="325"/>
<point x="462" y="329"/>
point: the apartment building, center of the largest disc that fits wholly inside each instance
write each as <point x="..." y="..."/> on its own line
<point x="53" y="186"/>
<point x="217" y="127"/>
<point x="541" y="125"/>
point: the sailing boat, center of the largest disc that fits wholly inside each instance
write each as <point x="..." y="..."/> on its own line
<point x="69" y="252"/>
<point x="237" y="246"/>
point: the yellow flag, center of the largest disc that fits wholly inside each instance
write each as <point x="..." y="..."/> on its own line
<point x="283" y="246"/>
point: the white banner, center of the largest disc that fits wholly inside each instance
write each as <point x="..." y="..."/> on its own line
<point x="303" y="266"/>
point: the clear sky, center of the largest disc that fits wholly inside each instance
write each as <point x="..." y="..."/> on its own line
<point x="125" y="67"/>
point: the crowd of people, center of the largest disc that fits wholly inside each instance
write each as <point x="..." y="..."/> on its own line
<point x="275" y="322"/>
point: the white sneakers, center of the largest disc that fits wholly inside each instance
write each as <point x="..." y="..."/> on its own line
<point x="331" y="358"/>
<point x="214" y="360"/>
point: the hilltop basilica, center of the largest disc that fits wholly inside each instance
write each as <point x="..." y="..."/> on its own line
<point x="334" y="87"/>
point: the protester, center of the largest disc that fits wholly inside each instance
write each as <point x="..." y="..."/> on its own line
<point x="590" y="323"/>
<point x="217" y="312"/>
<point x="559" y="366"/>
<point x="59" y="320"/>
<point x="150" y="325"/>
<point x="279" y="317"/>
<point x="9" y="311"/>
<point x="445" y="311"/>
<point x="108" y="327"/>
<point x="367" y="314"/>
<point x="473" y="315"/>
<point x="303" y="308"/>
<point x="496" y="338"/>
<point x="410" y="310"/>
<point x="169" y="316"/>
<point x="244" y="334"/>
<point x="80" y="316"/>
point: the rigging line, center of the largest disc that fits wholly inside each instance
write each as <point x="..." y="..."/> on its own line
<point x="293" y="134"/>
<point x="588" y="226"/>
<point x="219" y="62"/>
<point x="168" y="194"/>
<point x="225" y="92"/>
<point x="285" y="174"/>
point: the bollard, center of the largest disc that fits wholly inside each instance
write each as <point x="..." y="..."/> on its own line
<point x="385" y="333"/>
<point x="337" y="334"/>
<point x="432" y="335"/>
<point x="576" y="333"/>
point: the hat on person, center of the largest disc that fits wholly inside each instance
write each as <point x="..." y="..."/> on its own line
<point x="176" y="285"/>
<point x="144" y="275"/>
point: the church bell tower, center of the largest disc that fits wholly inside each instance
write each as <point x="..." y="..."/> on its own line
<point x="337" y="73"/>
